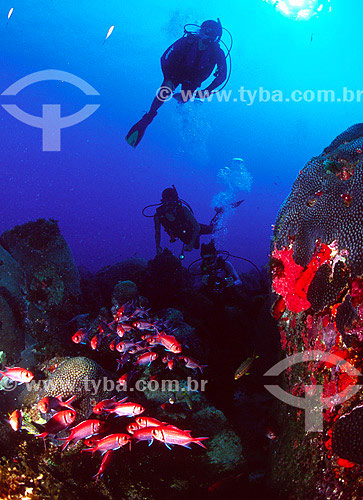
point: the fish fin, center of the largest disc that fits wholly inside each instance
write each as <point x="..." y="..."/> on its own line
<point x="200" y="444"/>
<point x="97" y="476"/>
<point x="151" y="442"/>
<point x="70" y="400"/>
<point x="43" y="435"/>
<point x="66" y="444"/>
<point x="92" y="450"/>
<point x="166" y="444"/>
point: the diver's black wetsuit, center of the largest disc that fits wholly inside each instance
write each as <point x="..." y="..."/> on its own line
<point x="184" y="63"/>
<point x="182" y="225"/>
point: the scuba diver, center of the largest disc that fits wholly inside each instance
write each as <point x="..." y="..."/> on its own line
<point x="187" y="62"/>
<point x="179" y="222"/>
<point x="216" y="273"/>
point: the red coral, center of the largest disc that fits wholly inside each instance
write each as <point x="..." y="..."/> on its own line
<point x="357" y="292"/>
<point x="292" y="281"/>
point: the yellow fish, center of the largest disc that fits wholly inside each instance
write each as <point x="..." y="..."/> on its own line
<point x="245" y="366"/>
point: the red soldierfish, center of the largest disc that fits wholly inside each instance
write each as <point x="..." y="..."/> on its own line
<point x="124" y="379"/>
<point x="106" y="404"/>
<point x="139" y="312"/>
<point x="144" y="434"/>
<point x="169" y="342"/>
<point x="112" y="345"/>
<point x="191" y="363"/>
<point x="171" y="364"/>
<point x="111" y="442"/>
<point x="131" y="428"/>
<point x="80" y="337"/>
<point x="58" y="423"/>
<point x="95" y="342"/>
<point x="124" y="346"/>
<point x="17" y="374"/>
<point x="144" y="325"/>
<point x="49" y="403"/>
<point x="84" y="430"/>
<point x="91" y="441"/>
<point x="146" y="359"/>
<point x="120" y="330"/>
<point x="104" y="464"/>
<point x="149" y="422"/>
<point x="173" y="435"/>
<point x="119" y="313"/>
<point x="126" y="409"/>
<point x="16" y="420"/>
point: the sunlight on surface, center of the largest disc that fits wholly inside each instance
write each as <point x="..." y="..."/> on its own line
<point x="300" y="10"/>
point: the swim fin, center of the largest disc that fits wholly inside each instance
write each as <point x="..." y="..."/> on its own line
<point x="136" y="133"/>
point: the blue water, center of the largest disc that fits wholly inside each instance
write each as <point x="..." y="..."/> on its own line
<point x="97" y="185"/>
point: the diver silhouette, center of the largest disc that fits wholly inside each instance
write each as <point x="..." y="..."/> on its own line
<point x="187" y="62"/>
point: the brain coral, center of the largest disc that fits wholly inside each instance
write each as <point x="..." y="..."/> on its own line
<point x="326" y="203"/>
<point x="73" y="377"/>
<point x="317" y="268"/>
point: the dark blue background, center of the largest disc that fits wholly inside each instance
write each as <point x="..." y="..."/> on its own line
<point x="97" y="185"/>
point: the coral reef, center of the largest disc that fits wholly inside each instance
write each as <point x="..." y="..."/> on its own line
<point x="12" y="306"/>
<point x="326" y="203"/>
<point x="52" y="278"/>
<point x="316" y="265"/>
<point x="46" y="303"/>
<point x="73" y="376"/>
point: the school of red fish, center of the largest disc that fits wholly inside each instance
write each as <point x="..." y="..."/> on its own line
<point x="94" y="431"/>
<point x="134" y="336"/>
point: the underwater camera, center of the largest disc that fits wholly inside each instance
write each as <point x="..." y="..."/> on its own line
<point x="217" y="284"/>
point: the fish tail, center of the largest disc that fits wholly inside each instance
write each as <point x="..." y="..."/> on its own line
<point x="67" y="404"/>
<point x="97" y="476"/>
<point x="43" y="435"/>
<point x="198" y="441"/>
<point x="70" y="400"/>
<point x="66" y="444"/>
